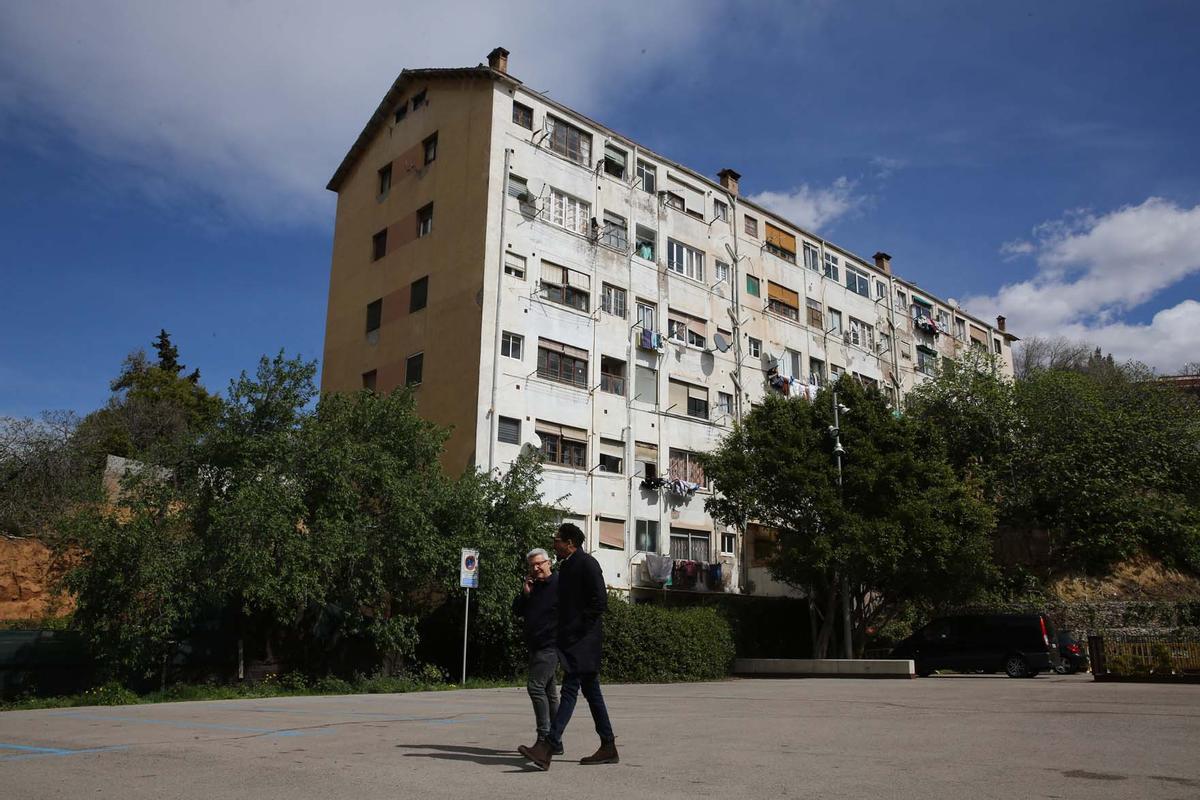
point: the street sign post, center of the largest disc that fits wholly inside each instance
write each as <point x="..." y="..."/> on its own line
<point x="468" y="578"/>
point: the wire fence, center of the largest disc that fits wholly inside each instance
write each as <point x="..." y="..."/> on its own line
<point x="1146" y="654"/>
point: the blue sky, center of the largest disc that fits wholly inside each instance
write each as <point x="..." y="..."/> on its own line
<point x="165" y="165"/>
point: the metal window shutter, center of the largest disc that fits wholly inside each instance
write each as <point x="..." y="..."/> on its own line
<point x="509" y="430"/>
<point x="678" y="395"/>
<point x="612" y="532"/>
<point x="645" y="452"/>
<point x="612" y="447"/>
<point x="783" y="295"/>
<point x="781" y="239"/>
<point x="552" y="273"/>
<point x="698" y="393"/>
<point x="565" y="349"/>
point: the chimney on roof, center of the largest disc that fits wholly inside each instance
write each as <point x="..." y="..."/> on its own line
<point x="883" y="262"/>
<point x="498" y="60"/>
<point x="729" y="180"/>
<point x="1000" y="321"/>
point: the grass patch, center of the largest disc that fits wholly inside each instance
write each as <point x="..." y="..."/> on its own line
<point x="114" y="694"/>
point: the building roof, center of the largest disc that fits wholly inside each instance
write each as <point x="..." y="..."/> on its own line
<point x="379" y="118"/>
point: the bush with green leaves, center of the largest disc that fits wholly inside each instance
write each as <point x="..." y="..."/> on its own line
<point x="645" y="643"/>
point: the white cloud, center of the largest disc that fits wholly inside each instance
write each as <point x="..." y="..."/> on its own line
<point x="1016" y="248"/>
<point x="1093" y="270"/>
<point x="253" y="104"/>
<point x="813" y="207"/>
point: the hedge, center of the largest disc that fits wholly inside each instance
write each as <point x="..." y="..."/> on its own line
<point x="651" y="644"/>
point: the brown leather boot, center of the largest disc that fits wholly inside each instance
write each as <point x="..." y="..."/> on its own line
<point x="607" y="754"/>
<point x="540" y="754"/>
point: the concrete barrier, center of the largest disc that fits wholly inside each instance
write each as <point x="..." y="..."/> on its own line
<point x="824" y="667"/>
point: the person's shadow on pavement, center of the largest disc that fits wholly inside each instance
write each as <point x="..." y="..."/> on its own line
<point x="478" y="755"/>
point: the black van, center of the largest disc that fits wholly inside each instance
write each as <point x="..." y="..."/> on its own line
<point x="1020" y="644"/>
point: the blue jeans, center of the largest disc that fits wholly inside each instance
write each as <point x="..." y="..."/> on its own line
<point x="589" y="682"/>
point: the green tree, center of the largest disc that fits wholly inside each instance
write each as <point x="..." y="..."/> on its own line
<point x="901" y="528"/>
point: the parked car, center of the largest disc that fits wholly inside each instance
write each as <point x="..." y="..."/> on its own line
<point x="1022" y="645"/>
<point x="1072" y="657"/>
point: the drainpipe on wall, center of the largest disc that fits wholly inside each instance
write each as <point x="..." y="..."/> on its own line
<point x="494" y="423"/>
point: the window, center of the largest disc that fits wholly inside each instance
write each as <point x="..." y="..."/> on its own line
<point x="926" y="361"/>
<point x="615" y="233"/>
<point x="512" y="345"/>
<point x="724" y="403"/>
<point x="523" y="116"/>
<point x="647" y="459"/>
<point x="812" y="257"/>
<point x="614" y="161"/>
<point x="764" y="544"/>
<point x="835" y="371"/>
<point x="674" y="200"/>
<point x="755" y="347"/>
<point x="570" y="212"/>
<point x="943" y="320"/>
<point x="689" y="545"/>
<point x="413" y="369"/>
<point x="752" y="286"/>
<point x="647" y="177"/>
<point x="885" y="342"/>
<point x="690" y="398"/>
<point x="401" y="111"/>
<point x="960" y="329"/>
<point x="612" y="375"/>
<point x="998" y="347"/>
<point x="815" y="317"/>
<point x="385" y="179"/>
<point x="379" y="245"/>
<point x="612" y="533"/>
<point x="751" y="226"/>
<point x="569" y="141"/>
<point x="368" y="380"/>
<point x="562" y="363"/>
<point x="835" y="321"/>
<point x="645" y="312"/>
<point x="861" y="334"/>
<point x="612" y="300"/>
<point x="645" y="386"/>
<point x="565" y="286"/>
<point x="687" y="329"/>
<point x="425" y="221"/>
<point x="816" y="371"/>
<point x="514" y="265"/>
<point x="430" y="145"/>
<point x="418" y="295"/>
<point x="419" y="99"/>
<point x="646" y="536"/>
<point x="562" y="446"/>
<point x="374" y="315"/>
<point x="721" y="210"/>
<point x="792" y="359"/>
<point x="858" y="281"/>
<point x="612" y="457"/>
<point x="728" y="543"/>
<point x="783" y="301"/>
<point x="880" y="289"/>
<point x="780" y="243"/>
<point x="685" y="260"/>
<point x="831" y="266"/>
<point x="517" y="186"/>
<point x="901" y="302"/>
<point x="684" y="465"/>
<point x="646" y="239"/>
<point x="508" y="430"/>
<point x="721" y="271"/>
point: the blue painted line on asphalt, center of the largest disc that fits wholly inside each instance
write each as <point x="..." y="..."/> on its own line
<point x="26" y="752"/>
<point x="186" y="725"/>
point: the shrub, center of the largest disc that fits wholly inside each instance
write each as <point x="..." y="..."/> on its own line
<point x="651" y="644"/>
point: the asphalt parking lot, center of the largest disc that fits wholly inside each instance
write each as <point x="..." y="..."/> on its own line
<point x="943" y="737"/>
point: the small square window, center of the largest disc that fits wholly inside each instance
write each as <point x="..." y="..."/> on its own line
<point x="374" y="315"/>
<point x="430" y="146"/>
<point x="728" y="542"/>
<point x="425" y="221"/>
<point x="751" y="226"/>
<point x="523" y="116"/>
<point x="413" y="369"/>
<point x="512" y="345"/>
<point x="419" y="99"/>
<point x="721" y="210"/>
<point x="379" y="245"/>
<point x="646" y="536"/>
<point x="647" y="177"/>
<point x="752" y="286"/>
<point x="368" y="380"/>
<point x="401" y="111"/>
<point x="419" y="295"/>
<point x="508" y="430"/>
<point x="385" y="179"/>
<point x="514" y="265"/>
<point x="645" y="242"/>
<point x="755" y="347"/>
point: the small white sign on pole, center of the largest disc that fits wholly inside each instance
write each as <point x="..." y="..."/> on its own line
<point x="468" y="570"/>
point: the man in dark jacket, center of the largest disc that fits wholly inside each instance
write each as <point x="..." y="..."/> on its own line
<point x="537" y="605"/>
<point x="582" y="598"/>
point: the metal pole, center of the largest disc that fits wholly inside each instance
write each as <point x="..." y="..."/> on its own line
<point x="847" y="645"/>
<point x="466" y="615"/>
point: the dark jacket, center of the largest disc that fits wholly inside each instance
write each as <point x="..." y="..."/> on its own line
<point x="582" y="598"/>
<point x="539" y="609"/>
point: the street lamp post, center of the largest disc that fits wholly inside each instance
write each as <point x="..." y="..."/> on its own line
<point x="838" y="450"/>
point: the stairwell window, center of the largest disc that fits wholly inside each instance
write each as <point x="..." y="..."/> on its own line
<point x="425" y="221"/>
<point x="414" y="368"/>
<point x="430" y="146"/>
<point x="647" y="177"/>
<point x="379" y="245"/>
<point x="385" y="179"/>
<point x="612" y="300"/>
<point x="569" y="141"/>
<point x="512" y="345"/>
<point x="753" y="286"/>
<point x="418" y="295"/>
<point x="812" y="257"/>
<point x="687" y="261"/>
<point x="374" y="315"/>
<point x="523" y="116"/>
<point x="721" y="210"/>
<point x="721" y="271"/>
<point x="831" y="266"/>
<point x="572" y="213"/>
<point x="369" y="380"/>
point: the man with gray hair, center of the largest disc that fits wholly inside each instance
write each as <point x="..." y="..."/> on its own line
<point x="537" y="604"/>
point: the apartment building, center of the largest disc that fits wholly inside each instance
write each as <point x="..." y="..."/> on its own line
<point x="543" y="281"/>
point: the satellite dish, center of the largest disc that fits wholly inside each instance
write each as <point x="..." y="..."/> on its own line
<point x="721" y="342"/>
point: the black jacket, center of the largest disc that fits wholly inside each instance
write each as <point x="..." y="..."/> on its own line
<point x="582" y="598"/>
<point x="539" y="609"/>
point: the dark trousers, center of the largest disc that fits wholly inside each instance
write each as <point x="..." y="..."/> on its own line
<point x="589" y="682"/>
<point x="542" y="691"/>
